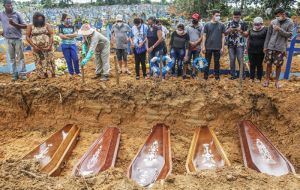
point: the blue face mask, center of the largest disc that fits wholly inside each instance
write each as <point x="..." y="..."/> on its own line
<point x="69" y="21"/>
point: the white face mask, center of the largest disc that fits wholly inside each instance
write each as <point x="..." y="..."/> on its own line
<point x="217" y="18"/>
<point x="279" y="18"/>
<point x="119" y="23"/>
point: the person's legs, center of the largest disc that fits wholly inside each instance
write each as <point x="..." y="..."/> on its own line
<point x="180" y="61"/>
<point x="208" y="56"/>
<point x="99" y="64"/>
<point x="186" y="64"/>
<point x="232" y="58"/>
<point x="20" y="54"/>
<point x="260" y="59"/>
<point x="12" y="55"/>
<point x="67" y="54"/>
<point x="105" y="60"/>
<point x="174" y="59"/>
<point x="269" y="61"/>
<point x="196" y="54"/>
<point x="278" y="62"/>
<point x="240" y="57"/>
<point x="137" y="61"/>
<point x="253" y="65"/>
<point x="124" y="57"/>
<point x="217" y="56"/>
<point x="50" y="66"/>
<point x="143" y="62"/>
<point x="119" y="57"/>
<point x="74" y="56"/>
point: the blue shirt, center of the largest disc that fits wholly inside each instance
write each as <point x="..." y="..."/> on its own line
<point x="67" y="30"/>
<point x="9" y="31"/>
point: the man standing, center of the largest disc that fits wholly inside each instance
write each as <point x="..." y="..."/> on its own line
<point x="195" y="34"/>
<point x="13" y="24"/>
<point x="280" y="30"/>
<point x="120" y="36"/>
<point x="236" y="41"/>
<point x="95" y="43"/>
<point x="213" y="43"/>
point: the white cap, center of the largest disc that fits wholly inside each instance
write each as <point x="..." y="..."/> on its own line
<point x="119" y="18"/>
<point x="258" y="20"/>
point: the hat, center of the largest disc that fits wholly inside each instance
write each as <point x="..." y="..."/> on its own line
<point x="119" y="18"/>
<point x="86" y="30"/>
<point x="258" y="20"/>
<point x="196" y="16"/>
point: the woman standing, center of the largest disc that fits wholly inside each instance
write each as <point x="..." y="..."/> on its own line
<point x="138" y="42"/>
<point x="179" y="43"/>
<point x="256" y="39"/>
<point x="67" y="34"/>
<point x="40" y="37"/>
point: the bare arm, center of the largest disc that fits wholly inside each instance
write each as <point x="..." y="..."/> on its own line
<point x="160" y="39"/>
<point x="203" y="41"/>
<point x="50" y="31"/>
<point x="19" y="26"/>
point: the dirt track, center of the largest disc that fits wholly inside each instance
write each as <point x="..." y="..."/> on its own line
<point x="30" y="111"/>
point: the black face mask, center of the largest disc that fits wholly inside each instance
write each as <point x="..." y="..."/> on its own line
<point x="40" y="23"/>
<point x="195" y="22"/>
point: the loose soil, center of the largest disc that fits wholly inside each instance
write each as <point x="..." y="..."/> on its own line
<point x="31" y="111"/>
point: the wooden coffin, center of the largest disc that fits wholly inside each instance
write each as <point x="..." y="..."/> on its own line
<point x="54" y="152"/>
<point x="101" y="155"/>
<point x="205" y="151"/>
<point x="153" y="161"/>
<point x="260" y="154"/>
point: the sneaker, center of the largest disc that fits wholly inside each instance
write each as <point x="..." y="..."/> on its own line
<point x="104" y="78"/>
<point x="97" y="76"/>
<point x="194" y="76"/>
<point x="232" y="78"/>
<point x="23" y="77"/>
<point x="79" y="75"/>
<point x="138" y="77"/>
<point x="127" y="72"/>
<point x="217" y="78"/>
<point x="184" y="77"/>
<point x="15" y="77"/>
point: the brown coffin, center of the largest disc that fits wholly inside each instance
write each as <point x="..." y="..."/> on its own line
<point x="54" y="152"/>
<point x="205" y="151"/>
<point x="153" y="162"/>
<point x="101" y="155"/>
<point x="260" y="154"/>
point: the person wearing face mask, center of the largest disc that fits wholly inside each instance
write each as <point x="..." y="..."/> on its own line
<point x="178" y="45"/>
<point x="94" y="43"/>
<point x="13" y="23"/>
<point x="120" y="37"/>
<point x="194" y="32"/>
<point x="256" y="39"/>
<point x="40" y="36"/>
<point x="213" y="43"/>
<point x="68" y="34"/>
<point x="236" y="41"/>
<point x="280" y="30"/>
<point x="138" y="44"/>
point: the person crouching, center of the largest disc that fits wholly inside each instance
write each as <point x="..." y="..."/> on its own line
<point x="95" y="43"/>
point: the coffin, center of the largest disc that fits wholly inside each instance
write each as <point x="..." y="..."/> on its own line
<point x="101" y="155"/>
<point x="153" y="161"/>
<point x="205" y="152"/>
<point x="260" y="154"/>
<point x="53" y="153"/>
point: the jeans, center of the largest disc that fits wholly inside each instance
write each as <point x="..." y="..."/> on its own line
<point x="15" y="48"/>
<point x="177" y="56"/>
<point x="256" y="61"/>
<point x="236" y="53"/>
<point x="217" y="56"/>
<point x="140" y="59"/>
<point x="192" y="55"/>
<point x="70" y="54"/>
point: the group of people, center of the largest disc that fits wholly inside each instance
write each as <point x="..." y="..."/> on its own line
<point x="263" y="44"/>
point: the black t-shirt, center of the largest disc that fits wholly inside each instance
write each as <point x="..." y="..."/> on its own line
<point x="179" y="41"/>
<point x="257" y="40"/>
<point x="153" y="38"/>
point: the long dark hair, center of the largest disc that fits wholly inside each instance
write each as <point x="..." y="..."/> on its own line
<point x="35" y="19"/>
<point x="64" y="16"/>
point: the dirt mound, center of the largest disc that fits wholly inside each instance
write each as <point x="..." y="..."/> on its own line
<point x="30" y="111"/>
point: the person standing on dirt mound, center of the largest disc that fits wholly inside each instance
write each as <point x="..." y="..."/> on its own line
<point x="236" y="42"/>
<point x="213" y="43"/>
<point x="194" y="31"/>
<point x="67" y="34"/>
<point x="280" y="30"/>
<point x="40" y="36"/>
<point x="95" y="43"/>
<point x="120" y="35"/>
<point x="13" y="24"/>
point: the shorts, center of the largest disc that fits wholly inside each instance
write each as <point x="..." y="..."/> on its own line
<point x="121" y="54"/>
<point x="274" y="57"/>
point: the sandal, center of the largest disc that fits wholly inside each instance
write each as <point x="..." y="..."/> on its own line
<point x="266" y="84"/>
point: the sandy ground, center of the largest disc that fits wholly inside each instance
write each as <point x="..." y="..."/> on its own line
<point x="31" y="111"/>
